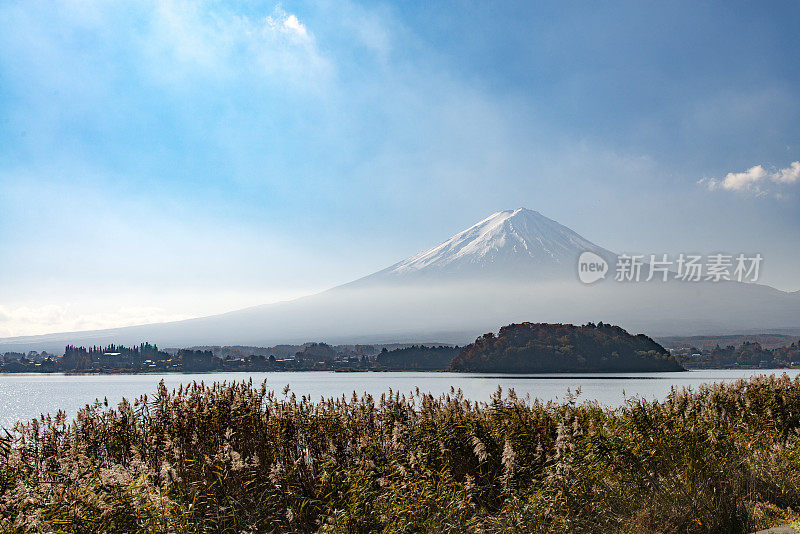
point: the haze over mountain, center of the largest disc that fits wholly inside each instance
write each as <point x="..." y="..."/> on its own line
<point x="513" y="266"/>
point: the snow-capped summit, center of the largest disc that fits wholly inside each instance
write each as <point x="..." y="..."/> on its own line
<point x="518" y="242"/>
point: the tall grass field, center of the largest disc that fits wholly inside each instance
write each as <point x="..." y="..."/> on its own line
<point x="243" y="458"/>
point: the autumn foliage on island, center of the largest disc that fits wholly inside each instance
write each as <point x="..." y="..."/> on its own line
<point x="543" y="348"/>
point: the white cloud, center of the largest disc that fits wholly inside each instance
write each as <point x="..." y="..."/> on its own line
<point x="789" y="175"/>
<point x="737" y="181"/>
<point x="755" y="180"/>
<point x="291" y="24"/>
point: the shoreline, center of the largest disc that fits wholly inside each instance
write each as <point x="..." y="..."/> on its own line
<point x="488" y="374"/>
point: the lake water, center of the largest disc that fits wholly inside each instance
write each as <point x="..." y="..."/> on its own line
<point x="25" y="396"/>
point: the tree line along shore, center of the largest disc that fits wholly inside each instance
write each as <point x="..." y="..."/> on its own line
<point x="524" y="347"/>
<point x="516" y="348"/>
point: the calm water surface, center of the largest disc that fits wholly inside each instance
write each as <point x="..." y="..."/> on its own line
<point x="25" y="396"/>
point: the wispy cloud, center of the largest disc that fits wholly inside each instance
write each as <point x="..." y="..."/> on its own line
<point x="27" y="320"/>
<point x="147" y="42"/>
<point x="756" y="180"/>
<point x="194" y="40"/>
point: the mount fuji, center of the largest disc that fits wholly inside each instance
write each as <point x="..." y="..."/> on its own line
<point x="522" y="244"/>
<point x="515" y="265"/>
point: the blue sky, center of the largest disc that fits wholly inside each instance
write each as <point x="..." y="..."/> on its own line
<point x="161" y="160"/>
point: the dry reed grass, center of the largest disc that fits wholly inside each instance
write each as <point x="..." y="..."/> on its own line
<point x="239" y="458"/>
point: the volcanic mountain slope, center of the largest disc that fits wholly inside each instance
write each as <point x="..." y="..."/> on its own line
<point x="518" y="243"/>
<point x="514" y="266"/>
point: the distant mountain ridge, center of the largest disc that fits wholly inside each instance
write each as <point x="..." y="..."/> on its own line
<point x="511" y="267"/>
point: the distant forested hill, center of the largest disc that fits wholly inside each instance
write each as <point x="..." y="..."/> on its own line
<point x="417" y="358"/>
<point x="544" y="348"/>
